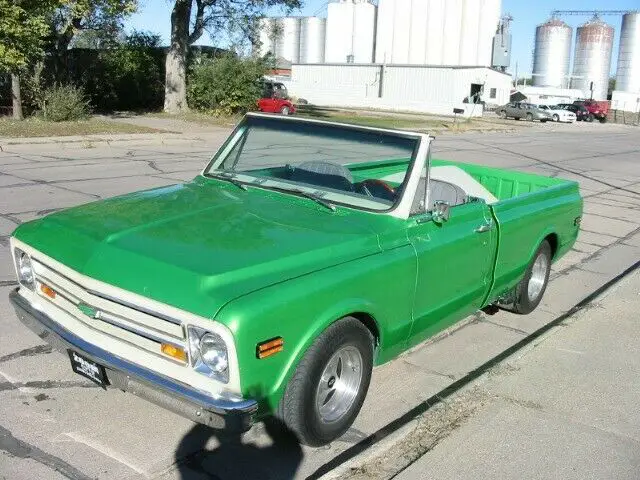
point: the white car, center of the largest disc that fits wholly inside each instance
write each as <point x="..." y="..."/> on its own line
<point x="558" y="114"/>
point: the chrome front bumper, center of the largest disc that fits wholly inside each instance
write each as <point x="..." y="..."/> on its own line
<point x="217" y="412"/>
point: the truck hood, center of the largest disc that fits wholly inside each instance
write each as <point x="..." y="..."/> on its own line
<point x="197" y="246"/>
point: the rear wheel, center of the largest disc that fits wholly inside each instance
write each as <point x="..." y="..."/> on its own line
<point x="589" y="118"/>
<point x="603" y="120"/>
<point x="529" y="117"/>
<point x="531" y="288"/>
<point x="503" y="114"/>
<point x="285" y="110"/>
<point x="327" y="390"/>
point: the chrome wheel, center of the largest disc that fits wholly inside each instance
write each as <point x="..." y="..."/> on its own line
<point x="339" y="384"/>
<point x="538" y="277"/>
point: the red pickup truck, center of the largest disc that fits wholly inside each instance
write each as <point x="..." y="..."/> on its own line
<point x="275" y="99"/>
<point x="597" y="109"/>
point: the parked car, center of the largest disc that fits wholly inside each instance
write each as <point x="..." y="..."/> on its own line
<point x="275" y="99"/>
<point x="597" y="109"/>
<point x="522" y="110"/>
<point x="558" y="114"/>
<point x="304" y="254"/>
<point x="582" y="114"/>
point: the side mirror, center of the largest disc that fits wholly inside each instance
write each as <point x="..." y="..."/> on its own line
<point x="441" y="212"/>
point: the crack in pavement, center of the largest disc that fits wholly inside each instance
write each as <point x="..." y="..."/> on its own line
<point x="46" y="384"/>
<point x="21" y="449"/>
<point x="27" y="352"/>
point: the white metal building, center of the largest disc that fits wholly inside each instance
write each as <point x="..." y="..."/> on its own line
<point x="436" y="32"/>
<point x="551" y="95"/>
<point x="350" y="31"/>
<point x="417" y="88"/>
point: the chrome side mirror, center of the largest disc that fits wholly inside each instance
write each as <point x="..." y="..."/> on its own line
<point x="441" y="212"/>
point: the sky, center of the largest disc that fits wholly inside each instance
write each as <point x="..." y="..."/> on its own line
<point x="154" y="16"/>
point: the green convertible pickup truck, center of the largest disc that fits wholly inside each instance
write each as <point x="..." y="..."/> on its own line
<point x="304" y="254"/>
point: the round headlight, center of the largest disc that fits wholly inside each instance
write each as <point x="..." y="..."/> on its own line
<point x="213" y="352"/>
<point x="25" y="269"/>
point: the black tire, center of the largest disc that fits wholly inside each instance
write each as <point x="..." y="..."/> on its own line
<point x="503" y="114"/>
<point x="589" y="118"/>
<point x="285" y="110"/>
<point x="297" y="408"/>
<point x="523" y="303"/>
<point x="556" y="117"/>
<point x="603" y="120"/>
<point x="529" y="117"/>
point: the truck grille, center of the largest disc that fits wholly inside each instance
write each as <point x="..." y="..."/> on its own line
<point x="117" y="318"/>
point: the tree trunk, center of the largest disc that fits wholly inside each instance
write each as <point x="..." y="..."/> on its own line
<point x="175" y="85"/>
<point x="16" y="97"/>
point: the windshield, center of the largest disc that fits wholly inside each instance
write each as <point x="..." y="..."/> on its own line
<point x="353" y="166"/>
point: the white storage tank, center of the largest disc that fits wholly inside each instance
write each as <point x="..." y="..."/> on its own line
<point x="312" y="38"/>
<point x="350" y="31"/>
<point x="266" y="36"/>
<point x="470" y="32"/>
<point x="628" y="71"/>
<point x="402" y="33"/>
<point x="436" y="33"/>
<point x="490" y="11"/>
<point x="552" y="54"/>
<point x="384" y="31"/>
<point x="452" y="32"/>
<point x="592" y="60"/>
<point x="287" y="42"/>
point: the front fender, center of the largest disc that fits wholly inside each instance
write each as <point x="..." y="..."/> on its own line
<point x="300" y="309"/>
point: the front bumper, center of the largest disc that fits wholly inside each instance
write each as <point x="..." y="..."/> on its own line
<point x="216" y="412"/>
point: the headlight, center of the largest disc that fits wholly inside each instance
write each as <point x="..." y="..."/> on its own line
<point x="208" y="354"/>
<point x="24" y="269"/>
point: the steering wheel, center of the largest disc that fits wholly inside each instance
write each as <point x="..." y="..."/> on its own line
<point x="375" y="187"/>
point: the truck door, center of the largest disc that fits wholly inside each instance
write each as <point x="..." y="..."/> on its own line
<point x="455" y="261"/>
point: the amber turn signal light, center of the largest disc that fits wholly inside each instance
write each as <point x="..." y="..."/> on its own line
<point x="270" y="347"/>
<point x="174" y="352"/>
<point x="48" y="291"/>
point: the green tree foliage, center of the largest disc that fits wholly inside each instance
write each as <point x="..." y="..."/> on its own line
<point x="23" y="26"/>
<point x="221" y="18"/>
<point x="225" y="85"/>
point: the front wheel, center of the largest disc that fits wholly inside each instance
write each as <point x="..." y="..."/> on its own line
<point x="590" y="118"/>
<point x="556" y="117"/>
<point x="285" y="110"/>
<point x="326" y="392"/>
<point x="531" y="288"/>
<point x="529" y="117"/>
<point x="502" y="114"/>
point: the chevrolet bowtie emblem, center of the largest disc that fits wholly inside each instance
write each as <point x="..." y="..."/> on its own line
<point x="88" y="310"/>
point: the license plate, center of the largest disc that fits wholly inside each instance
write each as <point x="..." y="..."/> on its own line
<point x="88" y="368"/>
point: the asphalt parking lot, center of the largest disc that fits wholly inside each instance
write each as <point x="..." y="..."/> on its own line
<point x="57" y="425"/>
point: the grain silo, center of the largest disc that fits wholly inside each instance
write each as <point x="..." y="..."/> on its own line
<point x="266" y="38"/>
<point x="312" y="38"/>
<point x="592" y="59"/>
<point x="490" y="11"/>
<point x="287" y="41"/>
<point x="350" y="31"/>
<point x="552" y="54"/>
<point x="628" y="71"/>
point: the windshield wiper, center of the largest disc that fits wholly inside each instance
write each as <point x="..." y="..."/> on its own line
<point x="229" y="178"/>
<point x="311" y="196"/>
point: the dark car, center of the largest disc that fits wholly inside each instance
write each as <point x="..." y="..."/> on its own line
<point x="582" y="114"/>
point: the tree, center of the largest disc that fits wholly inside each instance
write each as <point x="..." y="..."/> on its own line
<point x="187" y="26"/>
<point x="22" y="29"/>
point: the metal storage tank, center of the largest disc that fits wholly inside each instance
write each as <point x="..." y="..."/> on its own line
<point x="312" y="37"/>
<point x="287" y="43"/>
<point x="592" y="60"/>
<point x="490" y="11"/>
<point x="401" y="31"/>
<point x="384" y="31"/>
<point x="350" y="31"/>
<point x="628" y="71"/>
<point x="452" y="32"/>
<point x="419" y="32"/>
<point x="552" y="54"/>
<point x="436" y="32"/>
<point x="265" y="36"/>
<point x="470" y="31"/>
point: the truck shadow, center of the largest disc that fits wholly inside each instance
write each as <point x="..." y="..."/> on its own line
<point x="238" y="456"/>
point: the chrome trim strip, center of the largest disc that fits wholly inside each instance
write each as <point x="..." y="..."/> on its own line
<point x="120" y="302"/>
<point x="222" y="405"/>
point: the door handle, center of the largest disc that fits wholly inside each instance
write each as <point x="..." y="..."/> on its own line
<point x="485" y="227"/>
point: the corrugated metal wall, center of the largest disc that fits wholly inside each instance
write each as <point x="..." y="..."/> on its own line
<point x="411" y="88"/>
